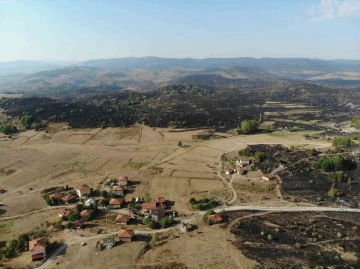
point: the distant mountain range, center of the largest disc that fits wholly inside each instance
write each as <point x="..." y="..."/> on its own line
<point x="157" y="63"/>
<point x="149" y="73"/>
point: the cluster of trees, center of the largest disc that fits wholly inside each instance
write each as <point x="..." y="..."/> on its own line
<point x="165" y="222"/>
<point x="26" y="121"/>
<point x="16" y="246"/>
<point x="180" y="124"/>
<point x="8" y="129"/>
<point x="343" y="142"/>
<point x="340" y="177"/>
<point x="247" y="127"/>
<point x="356" y="122"/>
<point x="258" y="155"/>
<point x="328" y="164"/>
<point x="203" y="204"/>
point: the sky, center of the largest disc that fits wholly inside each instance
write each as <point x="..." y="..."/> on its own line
<point x="78" y="30"/>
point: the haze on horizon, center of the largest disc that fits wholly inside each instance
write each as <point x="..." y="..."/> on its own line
<point x="82" y="30"/>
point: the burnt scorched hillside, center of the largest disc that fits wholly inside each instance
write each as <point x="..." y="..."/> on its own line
<point x="184" y="105"/>
<point x="181" y="105"/>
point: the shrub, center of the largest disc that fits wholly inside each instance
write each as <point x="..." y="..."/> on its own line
<point x="248" y="127"/>
<point x="179" y="144"/>
<point x="206" y="217"/>
<point x="343" y="142"/>
<point x="8" y="129"/>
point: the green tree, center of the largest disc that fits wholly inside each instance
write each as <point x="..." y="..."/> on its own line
<point x="104" y="193"/>
<point x="8" y="129"/>
<point x="192" y="201"/>
<point x="248" y="126"/>
<point x="179" y="144"/>
<point x="23" y="240"/>
<point x="27" y="120"/>
<point x="166" y="222"/>
<point x="260" y="156"/>
<point x="147" y="197"/>
<point x="73" y="216"/>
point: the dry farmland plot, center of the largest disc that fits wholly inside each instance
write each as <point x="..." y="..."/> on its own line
<point x="77" y="138"/>
<point x="200" y="185"/>
<point x="207" y="249"/>
<point x="124" y="255"/>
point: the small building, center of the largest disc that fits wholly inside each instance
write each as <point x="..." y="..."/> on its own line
<point x="116" y="203"/>
<point x="70" y="198"/>
<point x="106" y="243"/>
<point x="37" y="249"/>
<point x="123" y="181"/>
<point x="64" y="212"/>
<point x="243" y="163"/>
<point x="118" y="190"/>
<point x="157" y="213"/>
<point x="267" y="177"/>
<point x="126" y="235"/>
<point x="154" y="209"/>
<point x="228" y="172"/>
<point x="57" y="197"/>
<point x="185" y="227"/>
<point x="215" y="218"/>
<point x="122" y="219"/>
<point x="79" y="223"/>
<point x="90" y="202"/>
<point x="83" y="190"/>
<point x="161" y="201"/>
<point x="84" y="213"/>
<point x="240" y="170"/>
<point x="138" y="200"/>
<point x="146" y="206"/>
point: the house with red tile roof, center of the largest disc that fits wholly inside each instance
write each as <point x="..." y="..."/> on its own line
<point x="37" y="249"/>
<point x="83" y="190"/>
<point x="116" y="203"/>
<point x="215" y="218"/>
<point x="122" y="219"/>
<point x="123" y="181"/>
<point x="70" y="198"/>
<point x="240" y="170"/>
<point x="64" y="212"/>
<point x="126" y="235"/>
<point x="57" y="196"/>
<point x="154" y="209"/>
<point x="118" y="190"/>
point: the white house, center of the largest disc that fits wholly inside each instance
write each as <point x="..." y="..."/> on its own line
<point x="90" y="202"/>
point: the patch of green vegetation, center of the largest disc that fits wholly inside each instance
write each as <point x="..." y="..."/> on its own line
<point x="247" y="127"/>
<point x="333" y="163"/>
<point x="278" y="133"/>
<point x="355" y="122"/>
<point x="203" y="204"/>
<point x="8" y="129"/>
<point x="344" y="142"/>
<point x="135" y="165"/>
<point x="5" y="227"/>
<point x="206" y="217"/>
<point x="74" y="165"/>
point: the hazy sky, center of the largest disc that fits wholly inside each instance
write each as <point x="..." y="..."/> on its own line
<point x="91" y="29"/>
